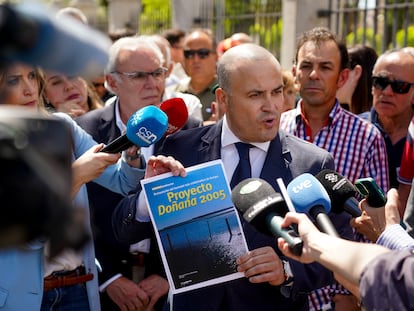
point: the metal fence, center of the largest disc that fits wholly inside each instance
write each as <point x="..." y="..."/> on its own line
<point x="381" y="24"/>
<point x="262" y="20"/>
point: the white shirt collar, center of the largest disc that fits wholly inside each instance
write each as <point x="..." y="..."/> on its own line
<point x="119" y="123"/>
<point x="229" y="138"/>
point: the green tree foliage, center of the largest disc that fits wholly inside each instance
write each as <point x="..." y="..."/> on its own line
<point x="402" y="41"/>
<point x="155" y="16"/>
<point x="352" y="39"/>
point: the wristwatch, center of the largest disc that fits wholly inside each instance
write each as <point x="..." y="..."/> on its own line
<point x="131" y="158"/>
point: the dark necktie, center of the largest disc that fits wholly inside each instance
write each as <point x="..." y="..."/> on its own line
<point x="243" y="169"/>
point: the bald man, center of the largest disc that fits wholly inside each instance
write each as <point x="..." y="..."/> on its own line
<point x="252" y="108"/>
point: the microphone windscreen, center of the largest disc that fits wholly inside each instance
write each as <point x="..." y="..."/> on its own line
<point x="338" y="187"/>
<point x="306" y="191"/>
<point x="255" y="198"/>
<point x="146" y="126"/>
<point x="177" y="113"/>
<point x="63" y="45"/>
<point x="249" y="192"/>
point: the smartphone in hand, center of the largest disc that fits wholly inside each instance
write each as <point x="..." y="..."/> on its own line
<point x="371" y="191"/>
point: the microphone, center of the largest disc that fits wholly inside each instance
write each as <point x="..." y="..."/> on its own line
<point x="177" y="113"/>
<point x="144" y="128"/>
<point x="36" y="148"/>
<point x="309" y="196"/>
<point x="341" y="192"/>
<point x="32" y="34"/>
<point x="264" y="208"/>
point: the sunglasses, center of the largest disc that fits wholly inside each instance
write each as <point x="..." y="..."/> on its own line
<point x="143" y="75"/>
<point x="202" y="53"/>
<point x="399" y="87"/>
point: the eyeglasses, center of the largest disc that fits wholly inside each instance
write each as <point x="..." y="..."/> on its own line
<point x="202" y="53"/>
<point x="399" y="87"/>
<point x="143" y="75"/>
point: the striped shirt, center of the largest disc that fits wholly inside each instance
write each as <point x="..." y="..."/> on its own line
<point x="358" y="149"/>
<point x="356" y="145"/>
<point x="395" y="237"/>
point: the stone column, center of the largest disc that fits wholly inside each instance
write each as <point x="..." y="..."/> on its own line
<point x="185" y="13"/>
<point x="299" y="16"/>
<point x="123" y="14"/>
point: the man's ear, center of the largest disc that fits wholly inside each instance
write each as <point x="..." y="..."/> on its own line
<point x="343" y="77"/>
<point x="358" y="71"/>
<point x="112" y="83"/>
<point x="220" y="94"/>
<point x="294" y="73"/>
<point x="170" y="68"/>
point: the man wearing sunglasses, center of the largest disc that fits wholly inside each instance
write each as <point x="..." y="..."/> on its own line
<point x="357" y="146"/>
<point x="393" y="103"/>
<point x="200" y="60"/>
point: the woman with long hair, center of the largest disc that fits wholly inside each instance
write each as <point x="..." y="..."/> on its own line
<point x="30" y="278"/>
<point x="72" y="95"/>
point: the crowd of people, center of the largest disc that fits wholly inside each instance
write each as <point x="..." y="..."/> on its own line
<point x="341" y="108"/>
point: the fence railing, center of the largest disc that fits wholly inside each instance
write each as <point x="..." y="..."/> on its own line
<point x="382" y="24"/>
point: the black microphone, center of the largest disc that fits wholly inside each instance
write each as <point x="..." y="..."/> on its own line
<point x="309" y="196"/>
<point x="264" y="208"/>
<point x="30" y="33"/>
<point x="341" y="192"/>
<point x="144" y="128"/>
<point x="36" y="181"/>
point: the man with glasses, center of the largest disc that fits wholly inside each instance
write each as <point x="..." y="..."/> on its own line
<point x="200" y="60"/>
<point x="393" y="104"/>
<point x="135" y="74"/>
<point x="356" y="145"/>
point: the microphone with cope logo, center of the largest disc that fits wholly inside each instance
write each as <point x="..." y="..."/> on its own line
<point x="341" y="192"/>
<point x="144" y="128"/>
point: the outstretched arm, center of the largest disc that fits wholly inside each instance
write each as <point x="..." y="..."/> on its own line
<point x="345" y="258"/>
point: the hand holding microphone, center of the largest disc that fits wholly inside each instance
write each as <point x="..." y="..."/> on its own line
<point x="144" y="128"/>
<point x="149" y="124"/>
<point x="309" y="196"/>
<point x="264" y="209"/>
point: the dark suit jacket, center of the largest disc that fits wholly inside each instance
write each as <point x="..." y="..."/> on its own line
<point x="113" y="255"/>
<point x="287" y="158"/>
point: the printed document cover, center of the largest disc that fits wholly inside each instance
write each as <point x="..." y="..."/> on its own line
<point x="197" y="226"/>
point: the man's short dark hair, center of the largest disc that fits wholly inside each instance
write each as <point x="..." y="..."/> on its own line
<point x="173" y="35"/>
<point x="319" y="35"/>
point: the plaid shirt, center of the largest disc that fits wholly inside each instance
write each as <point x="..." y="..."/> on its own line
<point x="358" y="150"/>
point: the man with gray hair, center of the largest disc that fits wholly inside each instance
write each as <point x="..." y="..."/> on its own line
<point x="135" y="74"/>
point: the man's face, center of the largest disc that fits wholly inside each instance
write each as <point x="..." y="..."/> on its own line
<point x="177" y="54"/>
<point x="133" y="89"/>
<point x="253" y="106"/>
<point x="389" y="68"/>
<point x="318" y="73"/>
<point x="199" y="57"/>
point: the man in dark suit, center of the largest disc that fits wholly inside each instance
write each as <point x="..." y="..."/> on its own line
<point x="136" y="76"/>
<point x="250" y="91"/>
